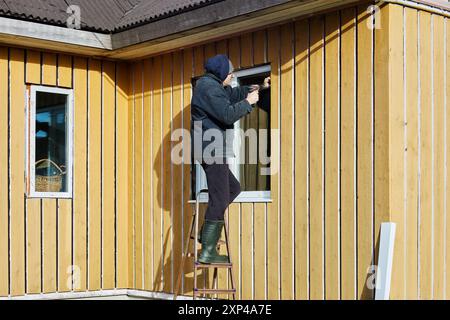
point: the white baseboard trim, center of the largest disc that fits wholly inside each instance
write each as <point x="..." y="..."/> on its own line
<point x="115" y="294"/>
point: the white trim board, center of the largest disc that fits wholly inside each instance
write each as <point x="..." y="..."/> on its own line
<point x="42" y="32"/>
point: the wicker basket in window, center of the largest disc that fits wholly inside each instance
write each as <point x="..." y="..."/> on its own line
<point x="48" y="183"/>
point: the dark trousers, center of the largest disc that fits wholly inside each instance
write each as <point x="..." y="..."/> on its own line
<point x="223" y="188"/>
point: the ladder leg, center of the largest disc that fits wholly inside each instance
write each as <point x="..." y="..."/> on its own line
<point x="183" y="260"/>
<point x="229" y="257"/>
<point x="197" y="210"/>
<point x="214" y="284"/>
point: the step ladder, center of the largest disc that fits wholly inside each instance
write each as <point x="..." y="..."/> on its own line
<point x="193" y="236"/>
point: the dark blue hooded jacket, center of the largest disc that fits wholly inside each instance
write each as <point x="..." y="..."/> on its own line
<point x="216" y="107"/>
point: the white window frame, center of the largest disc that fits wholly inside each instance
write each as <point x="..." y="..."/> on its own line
<point x="245" y="196"/>
<point x="30" y="142"/>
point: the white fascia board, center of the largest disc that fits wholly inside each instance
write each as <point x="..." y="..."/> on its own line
<point x="39" y="31"/>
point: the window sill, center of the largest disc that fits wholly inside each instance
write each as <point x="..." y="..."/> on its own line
<point x="244" y="197"/>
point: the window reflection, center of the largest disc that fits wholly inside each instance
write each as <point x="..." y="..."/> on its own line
<point x="51" y="142"/>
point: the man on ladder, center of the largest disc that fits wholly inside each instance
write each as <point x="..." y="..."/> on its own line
<point x="216" y="107"/>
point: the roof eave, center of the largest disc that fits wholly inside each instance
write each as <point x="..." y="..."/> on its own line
<point x="44" y="36"/>
<point x="226" y="18"/>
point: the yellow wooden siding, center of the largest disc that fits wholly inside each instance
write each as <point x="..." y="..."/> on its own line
<point x="108" y="181"/>
<point x="397" y="147"/>
<point x="187" y="71"/>
<point x="17" y="169"/>
<point x="94" y="175"/>
<point x="49" y="237"/>
<point x="348" y="142"/>
<point x="447" y="134"/>
<point x="123" y="176"/>
<point x="301" y="151"/>
<point x="4" y="176"/>
<point x="363" y="118"/>
<point x="273" y="235"/>
<point x="147" y="176"/>
<point x="304" y="244"/>
<point x="418" y="138"/>
<point x="138" y="166"/>
<point x="167" y="177"/>
<point x="412" y="149"/>
<point x="332" y="157"/>
<point x="80" y="179"/>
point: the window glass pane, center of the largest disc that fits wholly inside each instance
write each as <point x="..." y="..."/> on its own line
<point x="250" y="175"/>
<point x="51" y="142"/>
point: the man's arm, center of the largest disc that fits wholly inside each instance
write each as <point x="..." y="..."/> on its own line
<point x="224" y="110"/>
<point x="237" y="94"/>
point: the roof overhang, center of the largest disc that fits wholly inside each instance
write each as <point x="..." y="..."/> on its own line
<point x="213" y="22"/>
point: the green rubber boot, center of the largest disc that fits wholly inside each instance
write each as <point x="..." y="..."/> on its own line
<point x="211" y="232"/>
<point x="199" y="237"/>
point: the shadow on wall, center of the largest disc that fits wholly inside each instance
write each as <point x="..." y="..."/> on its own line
<point x="172" y="214"/>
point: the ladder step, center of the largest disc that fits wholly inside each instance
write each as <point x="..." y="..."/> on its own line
<point x="200" y="265"/>
<point x="219" y="291"/>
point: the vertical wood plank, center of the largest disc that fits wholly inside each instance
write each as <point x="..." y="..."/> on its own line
<point x="246" y="250"/>
<point x="439" y="92"/>
<point x="80" y="174"/>
<point x="49" y="72"/>
<point x="397" y="149"/>
<point x="138" y="171"/>
<point x="49" y="263"/>
<point x="17" y="154"/>
<point x="234" y="242"/>
<point x="64" y="70"/>
<point x="447" y="110"/>
<point x="301" y="160"/>
<point x="332" y="239"/>
<point x="273" y="235"/>
<point x="364" y="158"/>
<point x="122" y="174"/>
<point x="64" y="206"/>
<point x="222" y="47"/>
<point x="64" y="245"/>
<point x="49" y="206"/>
<point x="247" y="50"/>
<point x="222" y="282"/>
<point x="316" y="160"/>
<point x="412" y="82"/>
<point x="147" y="174"/>
<point x="94" y="174"/>
<point x="259" y="47"/>
<point x="259" y="245"/>
<point x="34" y="261"/>
<point x="381" y="125"/>
<point x="157" y="172"/>
<point x="199" y="61"/>
<point x="4" y="181"/>
<point x="425" y="232"/>
<point x="177" y="187"/>
<point x="234" y="51"/>
<point x="187" y="208"/>
<point x="33" y="206"/>
<point x="287" y="170"/>
<point x="33" y="67"/>
<point x="108" y="176"/>
<point x="131" y="178"/>
<point x="210" y="50"/>
<point x="167" y="173"/>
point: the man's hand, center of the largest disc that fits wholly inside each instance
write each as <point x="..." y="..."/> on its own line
<point x="266" y="83"/>
<point x="253" y="97"/>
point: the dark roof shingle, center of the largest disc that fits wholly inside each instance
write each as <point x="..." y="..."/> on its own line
<point x="97" y="15"/>
<point x="148" y="10"/>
